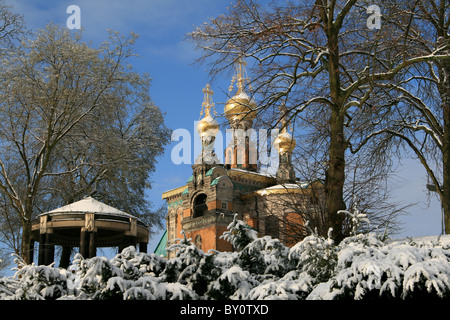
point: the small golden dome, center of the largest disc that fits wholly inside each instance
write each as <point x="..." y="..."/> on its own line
<point x="285" y="142"/>
<point x="207" y="126"/>
<point x="239" y="107"/>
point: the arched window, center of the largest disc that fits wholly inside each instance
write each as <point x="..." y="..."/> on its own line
<point x="272" y="227"/>
<point x="240" y="156"/>
<point x="198" y="241"/>
<point x="229" y="156"/>
<point x="200" y="207"/>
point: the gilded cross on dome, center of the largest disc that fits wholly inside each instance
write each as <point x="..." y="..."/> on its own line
<point x="240" y="77"/>
<point x="283" y="114"/>
<point x="207" y="101"/>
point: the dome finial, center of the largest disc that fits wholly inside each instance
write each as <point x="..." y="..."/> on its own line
<point x="283" y="114"/>
<point x="207" y="126"/>
<point x="240" y="77"/>
<point x="207" y="101"/>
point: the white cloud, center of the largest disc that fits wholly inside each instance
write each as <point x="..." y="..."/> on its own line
<point x="161" y="24"/>
<point x="155" y="17"/>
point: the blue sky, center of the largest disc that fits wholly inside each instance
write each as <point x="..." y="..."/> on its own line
<point x="177" y="83"/>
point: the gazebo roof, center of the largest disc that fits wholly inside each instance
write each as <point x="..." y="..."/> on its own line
<point x="87" y="224"/>
<point x="89" y="205"/>
<point x="110" y="225"/>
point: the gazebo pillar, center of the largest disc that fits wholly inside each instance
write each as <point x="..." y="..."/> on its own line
<point x="92" y="249"/>
<point x="65" y="257"/>
<point x="41" y="249"/>
<point x="88" y="247"/>
<point x="46" y="244"/>
<point x="83" y="246"/>
<point x="49" y="248"/>
<point x="130" y="236"/>
<point x="143" y="247"/>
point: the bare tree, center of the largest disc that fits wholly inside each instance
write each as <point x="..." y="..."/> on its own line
<point x="12" y="27"/>
<point x="425" y="126"/>
<point x="75" y="121"/>
<point x="320" y="57"/>
<point x="420" y="117"/>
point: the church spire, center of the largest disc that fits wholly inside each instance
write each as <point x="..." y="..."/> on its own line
<point x="207" y="129"/>
<point x="240" y="111"/>
<point x="207" y="126"/>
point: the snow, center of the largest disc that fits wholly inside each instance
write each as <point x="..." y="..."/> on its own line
<point x="252" y="172"/>
<point x="89" y="205"/>
<point x="443" y="239"/>
<point x="360" y="267"/>
<point x="242" y="96"/>
<point x="300" y="185"/>
<point x="285" y="134"/>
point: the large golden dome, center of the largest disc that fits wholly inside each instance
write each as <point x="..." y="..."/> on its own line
<point x="285" y="142"/>
<point x="239" y="107"/>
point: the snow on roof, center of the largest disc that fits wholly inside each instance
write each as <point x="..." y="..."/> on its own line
<point x="253" y="172"/>
<point x="89" y="205"/>
<point x="285" y="134"/>
<point x="300" y="185"/>
<point x="242" y="95"/>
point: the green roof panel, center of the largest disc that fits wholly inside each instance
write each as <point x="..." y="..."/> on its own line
<point x="162" y="244"/>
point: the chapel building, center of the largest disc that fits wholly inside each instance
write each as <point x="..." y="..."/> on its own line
<point x="271" y="204"/>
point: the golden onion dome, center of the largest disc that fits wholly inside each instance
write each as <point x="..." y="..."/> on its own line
<point x="207" y="126"/>
<point x="239" y="107"/>
<point x="285" y="142"/>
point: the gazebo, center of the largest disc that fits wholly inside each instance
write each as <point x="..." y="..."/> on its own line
<point x="87" y="224"/>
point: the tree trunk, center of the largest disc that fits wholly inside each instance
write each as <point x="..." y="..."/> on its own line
<point x="446" y="158"/>
<point x="26" y="241"/>
<point x="334" y="184"/>
<point x="335" y="176"/>
<point x="26" y="228"/>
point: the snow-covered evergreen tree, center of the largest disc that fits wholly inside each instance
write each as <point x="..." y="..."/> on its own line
<point x="38" y="283"/>
<point x="239" y="234"/>
<point x="93" y="278"/>
<point x="362" y="266"/>
<point x="137" y="264"/>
